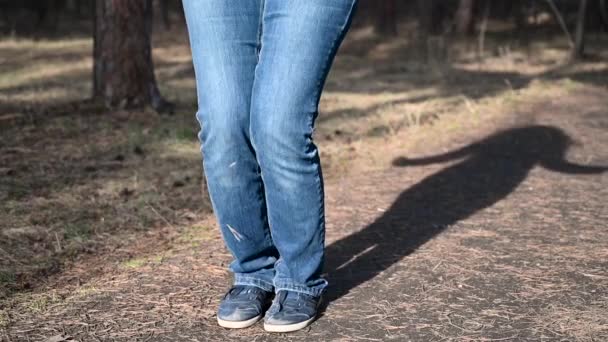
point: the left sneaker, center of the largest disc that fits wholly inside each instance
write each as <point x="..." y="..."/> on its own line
<point x="291" y="311"/>
<point x="242" y="306"/>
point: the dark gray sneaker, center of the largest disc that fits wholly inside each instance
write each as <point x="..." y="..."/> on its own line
<point x="291" y="311"/>
<point x="242" y="306"/>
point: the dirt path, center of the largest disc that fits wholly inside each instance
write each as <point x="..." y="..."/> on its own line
<point x="504" y="239"/>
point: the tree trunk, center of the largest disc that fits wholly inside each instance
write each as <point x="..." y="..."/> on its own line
<point x="604" y="14"/>
<point x="519" y="11"/>
<point x="464" y="17"/>
<point x="123" y="73"/>
<point x="164" y="12"/>
<point x="386" y="17"/>
<point x="579" y="40"/>
<point x="425" y="17"/>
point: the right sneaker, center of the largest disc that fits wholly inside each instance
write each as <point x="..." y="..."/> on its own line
<point x="291" y="311"/>
<point x="242" y="306"/>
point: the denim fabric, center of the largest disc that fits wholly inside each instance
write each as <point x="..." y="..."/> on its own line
<point x="291" y="308"/>
<point x="260" y="68"/>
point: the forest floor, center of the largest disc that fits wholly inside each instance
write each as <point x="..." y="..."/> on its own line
<point x="106" y="235"/>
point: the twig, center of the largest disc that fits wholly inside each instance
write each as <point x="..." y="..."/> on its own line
<point x="16" y="150"/>
<point x="502" y="338"/>
<point x="459" y="327"/>
<point x="593" y="276"/>
<point x="483" y="29"/>
<point x="562" y="23"/>
<point x="161" y="216"/>
<point x="58" y="243"/>
<point x="438" y="264"/>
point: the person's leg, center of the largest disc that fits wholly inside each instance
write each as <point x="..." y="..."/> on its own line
<point x="299" y="42"/>
<point x="224" y="38"/>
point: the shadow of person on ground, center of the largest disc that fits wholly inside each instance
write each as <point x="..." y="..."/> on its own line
<point x="489" y="171"/>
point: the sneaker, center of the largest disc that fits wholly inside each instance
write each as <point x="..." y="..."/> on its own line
<point x="291" y="311"/>
<point x="242" y="306"/>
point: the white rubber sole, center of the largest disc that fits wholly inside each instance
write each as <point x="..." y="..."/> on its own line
<point x="280" y="328"/>
<point x="238" y="324"/>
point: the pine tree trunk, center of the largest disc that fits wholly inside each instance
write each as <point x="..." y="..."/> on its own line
<point x="464" y="17"/>
<point x="604" y="14"/>
<point x="579" y="38"/>
<point x="123" y="72"/>
<point x="164" y="12"/>
<point x="425" y="17"/>
<point x="386" y="17"/>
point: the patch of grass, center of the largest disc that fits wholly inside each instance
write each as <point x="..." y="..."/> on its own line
<point x="378" y="131"/>
<point x="196" y="234"/>
<point x="40" y="302"/>
<point x="569" y="84"/>
<point x="188" y="134"/>
<point x="6" y="277"/>
<point x="77" y="231"/>
<point x="16" y="190"/>
<point x="158" y="259"/>
<point x="4" y="318"/>
<point x="86" y="291"/>
<point x="139" y="262"/>
<point x="134" y="263"/>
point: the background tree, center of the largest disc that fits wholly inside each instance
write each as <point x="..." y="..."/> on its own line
<point x="464" y="17"/>
<point x="425" y="17"/>
<point x="386" y="17"/>
<point x="579" y="36"/>
<point x="123" y="72"/>
<point x="603" y="9"/>
<point x="164" y="13"/>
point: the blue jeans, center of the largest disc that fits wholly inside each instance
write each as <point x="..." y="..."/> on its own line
<point x="260" y="68"/>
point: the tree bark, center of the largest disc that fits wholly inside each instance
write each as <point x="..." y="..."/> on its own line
<point x="425" y="17"/>
<point x="464" y="17"/>
<point x="386" y="17"/>
<point x="123" y="72"/>
<point x="579" y="40"/>
<point x="164" y="12"/>
<point x="604" y="14"/>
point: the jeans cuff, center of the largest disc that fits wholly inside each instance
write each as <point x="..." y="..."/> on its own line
<point x="253" y="281"/>
<point x="315" y="291"/>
